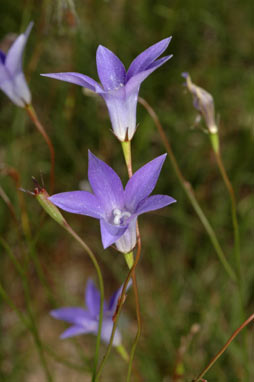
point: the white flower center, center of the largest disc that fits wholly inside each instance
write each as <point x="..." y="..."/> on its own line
<point x="120" y="217"/>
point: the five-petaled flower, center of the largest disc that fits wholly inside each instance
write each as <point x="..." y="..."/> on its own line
<point x="120" y="88"/>
<point x="116" y="208"/>
<point x="203" y="102"/>
<point x="12" y="79"/>
<point x="86" y="321"/>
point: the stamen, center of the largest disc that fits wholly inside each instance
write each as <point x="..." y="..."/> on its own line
<point x="120" y="217"/>
<point x="117" y="219"/>
<point x="116" y="212"/>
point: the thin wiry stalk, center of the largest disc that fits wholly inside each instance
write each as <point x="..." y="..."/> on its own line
<point x="119" y="308"/>
<point x="190" y="193"/>
<point x="33" y="116"/>
<point x="211" y="363"/>
<point x="231" y="192"/>
<point x="101" y="287"/>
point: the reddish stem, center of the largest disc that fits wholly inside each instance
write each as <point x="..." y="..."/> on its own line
<point x="236" y="332"/>
<point x="33" y="116"/>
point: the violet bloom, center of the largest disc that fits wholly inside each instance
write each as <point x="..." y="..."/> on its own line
<point x="120" y="88"/>
<point x="12" y="79"/>
<point x="116" y="208"/>
<point x="86" y="321"/>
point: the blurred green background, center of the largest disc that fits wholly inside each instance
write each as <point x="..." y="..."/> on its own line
<point x="180" y="279"/>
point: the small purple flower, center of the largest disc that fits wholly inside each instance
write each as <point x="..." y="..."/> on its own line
<point x="86" y="321"/>
<point x="120" y="88"/>
<point x="12" y="79"/>
<point x="116" y="208"/>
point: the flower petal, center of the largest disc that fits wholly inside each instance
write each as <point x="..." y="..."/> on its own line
<point x="110" y="69"/>
<point x="154" y="202"/>
<point x="92" y="297"/>
<point x="13" y="60"/>
<point x="76" y="330"/>
<point x="122" y="110"/>
<point x="2" y="57"/>
<point x="105" y="184"/>
<point x="138" y="78"/>
<point x="78" y="202"/>
<point x="73" y="315"/>
<point x="110" y="233"/>
<point x="106" y="331"/>
<point x="77" y="79"/>
<point x="144" y="59"/>
<point x="15" y="88"/>
<point x="128" y="240"/>
<point x="142" y="183"/>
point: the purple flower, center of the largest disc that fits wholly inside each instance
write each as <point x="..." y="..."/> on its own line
<point x="86" y="321"/>
<point x="116" y="208"/>
<point x="12" y="79"/>
<point x="118" y="87"/>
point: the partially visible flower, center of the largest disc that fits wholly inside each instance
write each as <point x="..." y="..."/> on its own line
<point x="203" y="102"/>
<point x="12" y="79"/>
<point x="86" y="321"/>
<point x="118" y="87"/>
<point x="116" y="208"/>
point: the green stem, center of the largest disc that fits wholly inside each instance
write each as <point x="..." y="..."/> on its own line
<point x="42" y="197"/>
<point x="211" y="363"/>
<point x="32" y="327"/>
<point x="126" y="146"/>
<point x="237" y="256"/>
<point x="190" y="193"/>
<point x="133" y="349"/>
<point x="233" y="212"/>
<point x="101" y="287"/>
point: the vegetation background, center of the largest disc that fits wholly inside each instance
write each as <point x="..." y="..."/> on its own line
<point x="180" y="279"/>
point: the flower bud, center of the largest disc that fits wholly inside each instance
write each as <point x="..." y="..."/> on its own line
<point x="42" y="196"/>
<point x="203" y="102"/>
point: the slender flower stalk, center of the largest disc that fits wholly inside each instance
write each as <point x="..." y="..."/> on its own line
<point x="190" y="193"/>
<point x="126" y="146"/>
<point x="43" y="198"/>
<point x="204" y="103"/>
<point x="231" y="192"/>
<point x="34" y="118"/>
<point x="212" y="362"/>
<point x="119" y="308"/>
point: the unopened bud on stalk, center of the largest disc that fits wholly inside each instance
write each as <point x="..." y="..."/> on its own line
<point x="203" y="102"/>
<point x="42" y="196"/>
